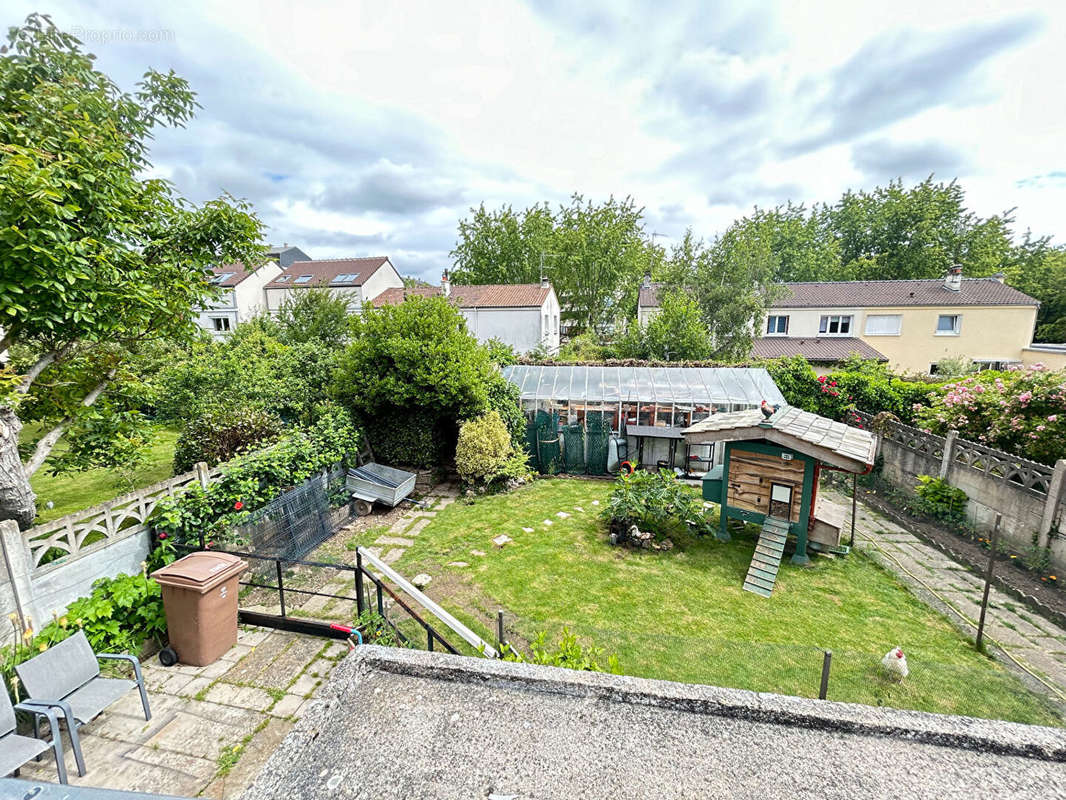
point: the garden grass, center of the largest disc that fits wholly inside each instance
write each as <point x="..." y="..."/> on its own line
<point x="682" y="614"/>
<point x="79" y="490"/>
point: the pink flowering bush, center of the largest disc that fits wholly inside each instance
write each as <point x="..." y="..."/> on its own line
<point x="1022" y="411"/>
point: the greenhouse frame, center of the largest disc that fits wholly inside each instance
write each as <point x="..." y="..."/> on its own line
<point x="657" y="396"/>
<point x="629" y="413"/>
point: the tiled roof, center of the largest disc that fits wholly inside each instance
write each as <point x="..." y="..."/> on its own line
<point x="872" y="294"/>
<point x="238" y="272"/>
<point x="489" y="295"/>
<point x="829" y="348"/>
<point x="867" y="294"/>
<point x="324" y="271"/>
<point x="649" y="296"/>
<point x="798" y="427"/>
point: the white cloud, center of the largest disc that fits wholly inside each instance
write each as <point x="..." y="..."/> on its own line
<point x="362" y="127"/>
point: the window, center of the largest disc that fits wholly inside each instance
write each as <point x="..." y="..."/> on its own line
<point x="948" y="324"/>
<point x="883" y="324"/>
<point x="835" y="325"/>
<point x="284" y="278"/>
<point x="776" y="325"/>
<point x="221" y="324"/>
<point x="347" y="277"/>
<point x="555" y="324"/>
<point x="222" y="277"/>
<point x="303" y="279"/>
<point x="547" y="325"/>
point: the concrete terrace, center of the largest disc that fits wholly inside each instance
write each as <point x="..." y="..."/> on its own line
<point x="454" y="727"/>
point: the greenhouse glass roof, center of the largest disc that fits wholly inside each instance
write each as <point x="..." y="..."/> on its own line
<point x="736" y="385"/>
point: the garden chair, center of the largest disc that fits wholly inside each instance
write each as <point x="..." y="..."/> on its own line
<point x="67" y="677"/>
<point x="15" y="750"/>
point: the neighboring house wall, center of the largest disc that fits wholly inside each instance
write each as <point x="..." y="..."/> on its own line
<point x="386" y="277"/>
<point x="986" y="333"/>
<point x="1053" y="359"/>
<point x="238" y="303"/>
<point x="220" y="317"/>
<point x="646" y="314"/>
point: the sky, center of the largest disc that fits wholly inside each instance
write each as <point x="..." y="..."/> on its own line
<point x="360" y="129"/>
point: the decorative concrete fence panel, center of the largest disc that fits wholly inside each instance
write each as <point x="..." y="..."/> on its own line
<point x="1026" y="495"/>
<point x="78" y="549"/>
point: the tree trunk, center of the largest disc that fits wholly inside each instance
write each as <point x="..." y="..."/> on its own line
<point x="17" y="500"/>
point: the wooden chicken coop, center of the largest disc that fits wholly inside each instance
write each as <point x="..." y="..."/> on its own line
<point x="769" y="476"/>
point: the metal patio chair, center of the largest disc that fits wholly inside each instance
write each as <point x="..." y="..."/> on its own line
<point x="67" y="677"/>
<point x="16" y="750"/>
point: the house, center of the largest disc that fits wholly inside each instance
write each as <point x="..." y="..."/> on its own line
<point x="522" y="315"/>
<point x="911" y="324"/>
<point x="914" y="323"/>
<point x="359" y="280"/>
<point x="286" y="254"/>
<point x="241" y="297"/>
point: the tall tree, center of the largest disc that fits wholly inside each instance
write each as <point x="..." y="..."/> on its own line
<point x="676" y="333"/>
<point x="97" y="259"/>
<point x="594" y="254"/>
<point x="1039" y="269"/>
<point x="917" y="232"/>
<point x="730" y="280"/>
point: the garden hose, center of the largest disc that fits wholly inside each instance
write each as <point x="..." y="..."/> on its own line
<point x="1054" y="689"/>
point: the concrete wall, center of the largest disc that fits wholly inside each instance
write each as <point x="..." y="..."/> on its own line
<point x="989" y="333"/>
<point x="1023" y="512"/>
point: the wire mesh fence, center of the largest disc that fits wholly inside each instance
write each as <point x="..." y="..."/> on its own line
<point x="295" y="523"/>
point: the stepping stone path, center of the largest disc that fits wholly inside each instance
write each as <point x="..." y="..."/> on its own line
<point x="579" y="508"/>
<point x="458" y="564"/>
<point x="477" y="552"/>
<point x="421" y="580"/>
<point x="595" y="502"/>
<point x="528" y="530"/>
<point x="562" y="515"/>
<point x="501" y="540"/>
<point x="548" y="522"/>
<point x="401" y="534"/>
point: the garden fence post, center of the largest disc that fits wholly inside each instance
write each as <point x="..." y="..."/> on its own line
<point x="499" y="630"/>
<point x="988" y="582"/>
<point x="1051" y="503"/>
<point x="201" y="474"/>
<point x="18" y="562"/>
<point x="827" y="661"/>
<point x="949" y="449"/>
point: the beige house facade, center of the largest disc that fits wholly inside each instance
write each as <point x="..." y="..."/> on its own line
<point x="911" y="324"/>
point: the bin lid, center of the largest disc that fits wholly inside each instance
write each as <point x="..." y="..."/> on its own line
<point x="202" y="571"/>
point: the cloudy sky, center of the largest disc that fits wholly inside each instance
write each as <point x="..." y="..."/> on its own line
<point x="370" y="128"/>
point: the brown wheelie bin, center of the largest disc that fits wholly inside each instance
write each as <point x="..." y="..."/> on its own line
<point x="200" y="598"/>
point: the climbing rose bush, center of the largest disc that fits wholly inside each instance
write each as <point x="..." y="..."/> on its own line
<point x="1022" y="411"/>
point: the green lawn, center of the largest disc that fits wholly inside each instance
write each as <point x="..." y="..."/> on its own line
<point x="84" y="489"/>
<point x="682" y="615"/>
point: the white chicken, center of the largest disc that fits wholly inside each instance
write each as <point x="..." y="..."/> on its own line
<point x="895" y="662"/>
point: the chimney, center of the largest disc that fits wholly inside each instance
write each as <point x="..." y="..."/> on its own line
<point x="953" y="280"/>
<point x="647" y="281"/>
<point x="445" y="284"/>
<point x="1000" y="276"/>
<point x="544" y="282"/>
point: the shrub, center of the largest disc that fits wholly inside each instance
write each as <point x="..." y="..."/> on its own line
<point x="655" y="502"/>
<point x="940" y="499"/>
<point x="484" y="446"/>
<point x="119" y="616"/>
<point x="568" y="653"/>
<point x="250" y="481"/>
<point x="504" y="399"/>
<point x="219" y="435"/>
<point x="408" y="438"/>
<point x="1022" y="411"/>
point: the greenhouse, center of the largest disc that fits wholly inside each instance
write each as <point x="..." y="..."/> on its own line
<point x="638" y="412"/>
